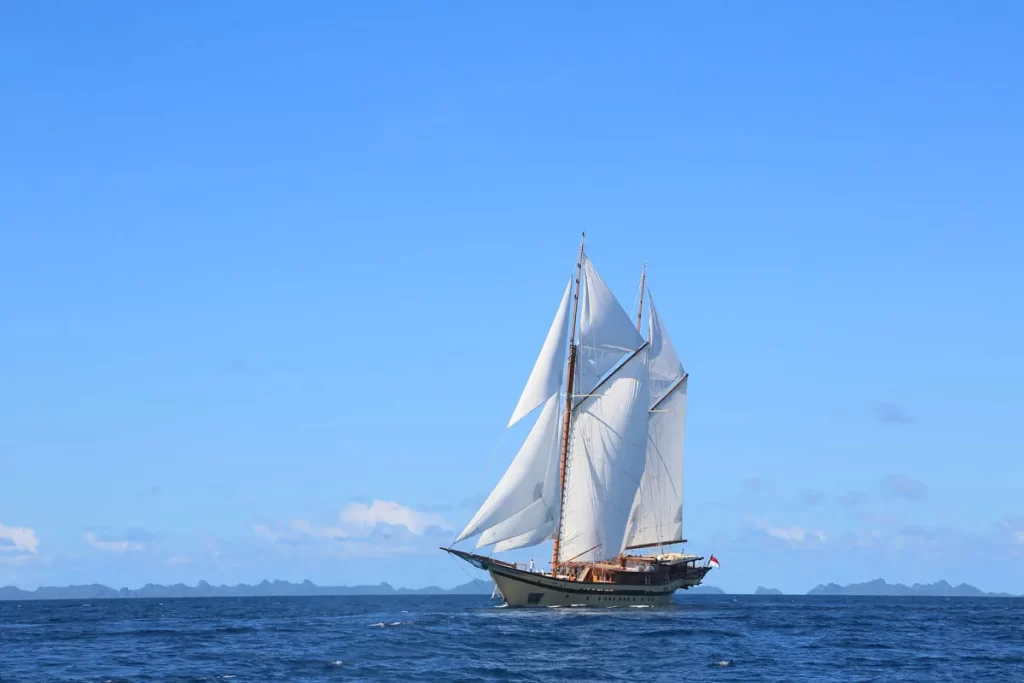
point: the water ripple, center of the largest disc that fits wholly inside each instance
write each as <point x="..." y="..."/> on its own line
<point x="460" y="638"/>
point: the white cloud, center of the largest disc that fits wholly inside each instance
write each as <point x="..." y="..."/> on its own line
<point x="18" y="540"/>
<point x="364" y="517"/>
<point x="306" y="527"/>
<point x="381" y="528"/>
<point x="266" y="532"/>
<point x="791" y="534"/>
<point x="1015" y="527"/>
<point x="179" y="560"/>
<point x="110" y="545"/>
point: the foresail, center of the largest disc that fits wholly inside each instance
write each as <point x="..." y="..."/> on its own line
<point x="657" y="514"/>
<point x="532" y="476"/>
<point x="535" y="537"/>
<point x="605" y="463"/>
<point x="607" y="333"/>
<point x="546" y="376"/>
<point x="534" y="515"/>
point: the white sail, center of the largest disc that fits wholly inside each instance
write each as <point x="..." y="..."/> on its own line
<point x="607" y="333"/>
<point x="532" y="476"/>
<point x="606" y="461"/>
<point x="657" y="514"/>
<point x="546" y="376"/>
<point x="538" y="513"/>
<point x="538" y="535"/>
<point x="665" y="368"/>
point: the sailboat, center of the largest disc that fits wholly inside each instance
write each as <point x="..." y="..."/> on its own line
<point x="601" y="471"/>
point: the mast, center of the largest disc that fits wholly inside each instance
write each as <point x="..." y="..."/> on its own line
<point x="640" y="311"/>
<point x="569" y="377"/>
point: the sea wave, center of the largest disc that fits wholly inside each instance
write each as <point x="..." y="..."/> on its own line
<point x="427" y="638"/>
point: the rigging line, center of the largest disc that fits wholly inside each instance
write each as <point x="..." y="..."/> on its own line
<point x="485" y="465"/>
<point x="588" y="453"/>
<point x="595" y="491"/>
<point x="462" y="566"/>
<point x="588" y="438"/>
<point x="567" y="489"/>
<point x="671" y="391"/>
<point x="617" y="468"/>
<point x="664" y="470"/>
<point x="612" y="374"/>
<point x="638" y="296"/>
<point x="586" y="444"/>
<point x="595" y="499"/>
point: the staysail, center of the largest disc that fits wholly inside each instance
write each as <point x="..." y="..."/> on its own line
<point x="531" y="480"/>
<point x="528" y="490"/>
<point x="546" y="377"/>
<point x="657" y="514"/>
<point x="538" y="535"/>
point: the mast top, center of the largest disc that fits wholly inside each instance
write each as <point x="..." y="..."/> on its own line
<point x="640" y="309"/>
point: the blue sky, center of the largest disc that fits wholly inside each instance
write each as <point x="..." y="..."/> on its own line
<point x="262" y="266"/>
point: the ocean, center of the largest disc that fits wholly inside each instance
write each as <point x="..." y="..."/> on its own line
<point x="468" y="638"/>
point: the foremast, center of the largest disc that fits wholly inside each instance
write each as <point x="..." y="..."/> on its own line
<point x="569" y="377"/>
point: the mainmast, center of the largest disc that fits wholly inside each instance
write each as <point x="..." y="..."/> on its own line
<point x="569" y="377"/>
<point x="640" y="311"/>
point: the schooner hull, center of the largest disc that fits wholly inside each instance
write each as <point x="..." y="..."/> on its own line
<point x="539" y="590"/>
<point x="520" y="588"/>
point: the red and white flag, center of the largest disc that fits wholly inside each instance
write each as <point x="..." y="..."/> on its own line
<point x="713" y="562"/>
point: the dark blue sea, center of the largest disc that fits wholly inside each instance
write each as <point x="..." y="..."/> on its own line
<point x="466" y="638"/>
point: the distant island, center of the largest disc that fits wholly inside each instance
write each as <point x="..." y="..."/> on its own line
<point x="878" y="587"/>
<point x="205" y="590"/>
<point x="881" y="588"/>
<point x="96" y="591"/>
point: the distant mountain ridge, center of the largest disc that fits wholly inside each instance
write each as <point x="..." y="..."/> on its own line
<point x="203" y="589"/>
<point x="96" y="591"/>
<point x="879" y="587"/>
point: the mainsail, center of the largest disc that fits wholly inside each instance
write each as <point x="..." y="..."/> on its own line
<point x="657" y="514"/>
<point x="605" y="463"/>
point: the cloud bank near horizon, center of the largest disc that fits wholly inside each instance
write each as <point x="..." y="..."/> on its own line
<point x="813" y="527"/>
<point x="17" y="543"/>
